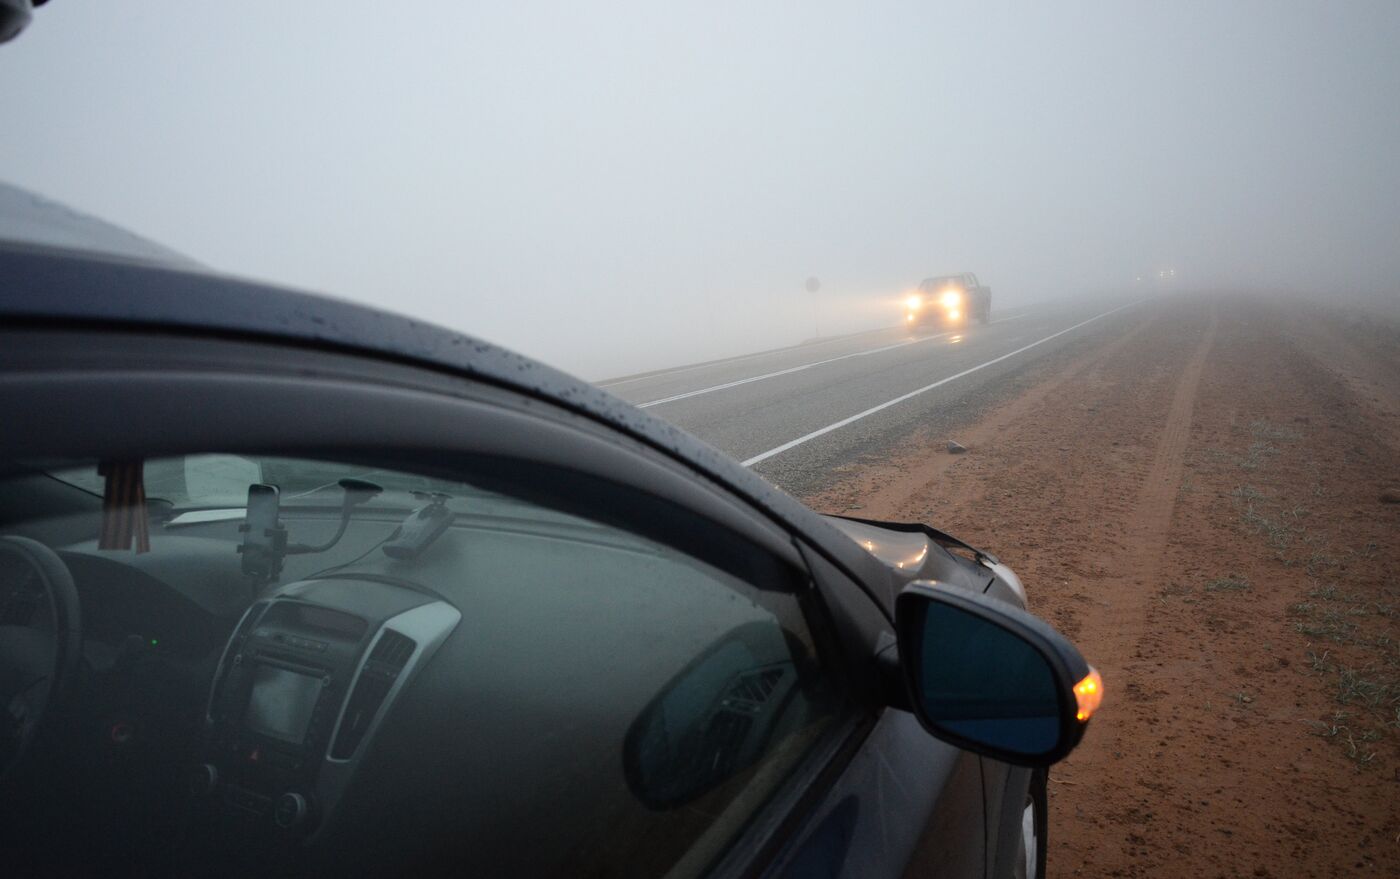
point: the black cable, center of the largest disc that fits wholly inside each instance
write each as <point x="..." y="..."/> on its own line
<point x="357" y="491"/>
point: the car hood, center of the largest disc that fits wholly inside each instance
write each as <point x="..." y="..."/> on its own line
<point x="912" y="551"/>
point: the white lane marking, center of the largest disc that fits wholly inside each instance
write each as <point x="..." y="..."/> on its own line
<point x="1013" y="314"/>
<point x="665" y="373"/>
<point x="788" y="371"/>
<point x="758" y="378"/>
<point x="902" y="397"/>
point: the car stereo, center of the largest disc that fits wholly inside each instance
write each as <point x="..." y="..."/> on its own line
<point x="304" y="682"/>
<point x="282" y="702"/>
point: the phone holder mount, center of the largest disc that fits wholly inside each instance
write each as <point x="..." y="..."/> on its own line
<point x="263" y="549"/>
<point x="265" y="543"/>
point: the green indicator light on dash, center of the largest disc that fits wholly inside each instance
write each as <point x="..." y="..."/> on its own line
<point x="154" y="642"/>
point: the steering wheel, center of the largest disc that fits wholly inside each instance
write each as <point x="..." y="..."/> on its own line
<point x="40" y="643"/>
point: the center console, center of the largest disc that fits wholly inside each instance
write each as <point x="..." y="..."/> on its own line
<point x="305" y="681"/>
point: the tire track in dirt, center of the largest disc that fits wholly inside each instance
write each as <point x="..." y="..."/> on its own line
<point x="1121" y="619"/>
<point x="1367" y="373"/>
<point x="1122" y="630"/>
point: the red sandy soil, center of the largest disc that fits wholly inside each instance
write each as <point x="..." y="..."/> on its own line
<point x="1197" y="502"/>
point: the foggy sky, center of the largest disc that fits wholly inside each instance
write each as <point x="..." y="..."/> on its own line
<point x="636" y="185"/>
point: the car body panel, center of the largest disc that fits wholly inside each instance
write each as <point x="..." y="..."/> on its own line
<point x="911" y="551"/>
<point x="859" y="830"/>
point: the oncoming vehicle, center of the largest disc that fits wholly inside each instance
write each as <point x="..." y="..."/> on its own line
<point x="948" y="301"/>
<point x="293" y="587"/>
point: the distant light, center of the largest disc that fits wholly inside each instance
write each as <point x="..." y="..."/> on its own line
<point x="909" y="317"/>
<point x="914" y="302"/>
<point x="951" y="298"/>
<point x="954" y="314"/>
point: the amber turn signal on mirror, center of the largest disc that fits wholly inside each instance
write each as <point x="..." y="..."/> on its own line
<point x="1088" y="693"/>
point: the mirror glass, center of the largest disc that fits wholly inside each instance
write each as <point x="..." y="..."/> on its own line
<point x="986" y="684"/>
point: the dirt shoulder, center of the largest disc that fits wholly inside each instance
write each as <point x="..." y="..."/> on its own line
<point x="1197" y="502"/>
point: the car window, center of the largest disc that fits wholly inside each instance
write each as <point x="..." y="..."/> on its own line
<point x="514" y="671"/>
<point x="222" y="480"/>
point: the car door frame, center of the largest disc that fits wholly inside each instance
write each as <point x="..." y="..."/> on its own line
<point x="94" y="392"/>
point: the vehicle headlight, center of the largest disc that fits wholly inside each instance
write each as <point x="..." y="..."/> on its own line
<point x="951" y="298"/>
<point x="914" y="302"/>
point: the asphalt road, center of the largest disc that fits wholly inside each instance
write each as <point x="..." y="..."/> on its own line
<point x="795" y="414"/>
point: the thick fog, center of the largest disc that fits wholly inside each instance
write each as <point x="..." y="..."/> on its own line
<point x="629" y="186"/>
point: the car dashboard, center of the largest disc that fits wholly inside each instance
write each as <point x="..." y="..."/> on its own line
<point x="298" y="694"/>
<point x="241" y="713"/>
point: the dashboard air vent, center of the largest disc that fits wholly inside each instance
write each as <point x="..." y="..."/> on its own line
<point x="392" y="651"/>
<point x="387" y="658"/>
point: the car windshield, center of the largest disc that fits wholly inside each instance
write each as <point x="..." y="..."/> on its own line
<point x="936" y="284"/>
<point x="221" y="481"/>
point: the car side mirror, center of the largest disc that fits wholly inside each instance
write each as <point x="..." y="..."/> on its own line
<point x="991" y="678"/>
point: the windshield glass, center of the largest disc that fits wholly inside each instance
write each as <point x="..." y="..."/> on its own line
<point x="253" y="675"/>
<point x="209" y="481"/>
<point x="938" y="284"/>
